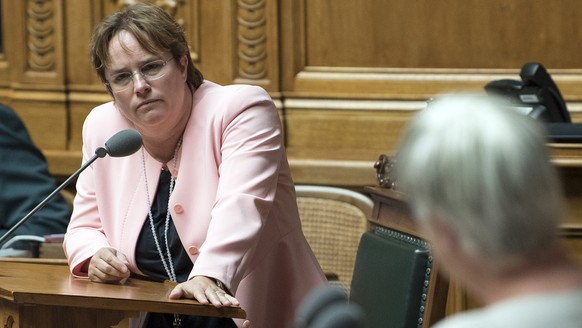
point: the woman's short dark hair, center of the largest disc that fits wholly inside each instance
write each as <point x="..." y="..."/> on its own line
<point x="155" y="30"/>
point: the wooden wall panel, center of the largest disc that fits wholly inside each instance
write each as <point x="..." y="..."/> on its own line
<point x="240" y="42"/>
<point x="34" y="44"/>
<point x="350" y="53"/>
<point x="445" y="34"/>
<point x="33" y="68"/>
<point x="413" y="49"/>
<point x="81" y="17"/>
<point x="335" y="126"/>
<point x="336" y="142"/>
<point x="345" y="75"/>
<point x="48" y="77"/>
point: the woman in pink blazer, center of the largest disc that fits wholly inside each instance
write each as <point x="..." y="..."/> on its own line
<point x="208" y="201"/>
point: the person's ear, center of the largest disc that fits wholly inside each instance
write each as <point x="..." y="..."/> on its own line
<point x="183" y="61"/>
<point x="443" y="236"/>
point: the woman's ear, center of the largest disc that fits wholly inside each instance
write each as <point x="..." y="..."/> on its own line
<point x="183" y="61"/>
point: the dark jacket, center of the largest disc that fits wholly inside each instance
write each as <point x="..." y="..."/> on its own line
<point x="25" y="182"/>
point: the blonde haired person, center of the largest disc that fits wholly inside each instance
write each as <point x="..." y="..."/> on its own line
<point x="480" y="182"/>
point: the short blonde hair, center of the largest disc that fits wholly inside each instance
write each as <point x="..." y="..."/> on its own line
<point x="485" y="170"/>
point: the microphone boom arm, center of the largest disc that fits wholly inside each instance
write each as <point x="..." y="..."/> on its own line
<point x="123" y="143"/>
<point x="99" y="153"/>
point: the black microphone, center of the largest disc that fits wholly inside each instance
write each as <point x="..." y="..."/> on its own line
<point x="339" y="315"/>
<point x="123" y="143"/>
<point x="327" y="307"/>
<point x="319" y="299"/>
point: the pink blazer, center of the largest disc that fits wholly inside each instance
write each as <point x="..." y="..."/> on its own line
<point x="233" y="204"/>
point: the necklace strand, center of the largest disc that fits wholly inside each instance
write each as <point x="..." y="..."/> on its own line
<point x="168" y="266"/>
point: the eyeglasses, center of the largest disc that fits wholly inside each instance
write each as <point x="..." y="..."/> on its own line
<point x="150" y="72"/>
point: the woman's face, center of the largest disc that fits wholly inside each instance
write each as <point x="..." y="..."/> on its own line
<point x="153" y="106"/>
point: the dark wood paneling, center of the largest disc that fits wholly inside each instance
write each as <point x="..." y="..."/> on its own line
<point x="346" y="75"/>
<point x="442" y="34"/>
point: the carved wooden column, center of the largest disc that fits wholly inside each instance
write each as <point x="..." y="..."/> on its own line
<point x="33" y="66"/>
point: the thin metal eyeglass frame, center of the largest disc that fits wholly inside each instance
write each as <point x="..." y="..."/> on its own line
<point x="139" y="71"/>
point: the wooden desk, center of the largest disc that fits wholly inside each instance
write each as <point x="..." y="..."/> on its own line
<point x="46" y="295"/>
<point x="568" y="160"/>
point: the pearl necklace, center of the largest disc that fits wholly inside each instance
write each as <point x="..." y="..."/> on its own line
<point x="169" y="265"/>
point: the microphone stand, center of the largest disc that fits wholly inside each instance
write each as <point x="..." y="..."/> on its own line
<point x="99" y="153"/>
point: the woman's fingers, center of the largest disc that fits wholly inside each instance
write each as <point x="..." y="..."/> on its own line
<point x="108" y="265"/>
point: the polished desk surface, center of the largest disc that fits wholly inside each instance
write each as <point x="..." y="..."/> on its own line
<point x="51" y="284"/>
<point x="391" y="210"/>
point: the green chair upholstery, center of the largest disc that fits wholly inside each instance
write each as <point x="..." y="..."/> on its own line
<point x="391" y="278"/>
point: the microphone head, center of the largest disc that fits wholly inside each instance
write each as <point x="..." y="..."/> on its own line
<point x="123" y="143"/>
<point x="340" y="315"/>
<point x="319" y="299"/>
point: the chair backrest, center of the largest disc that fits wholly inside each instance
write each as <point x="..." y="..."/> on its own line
<point x="391" y="275"/>
<point x="333" y="221"/>
<point x="396" y="282"/>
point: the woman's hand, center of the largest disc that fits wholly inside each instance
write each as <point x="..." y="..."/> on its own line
<point x="204" y="290"/>
<point x="108" y="265"/>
